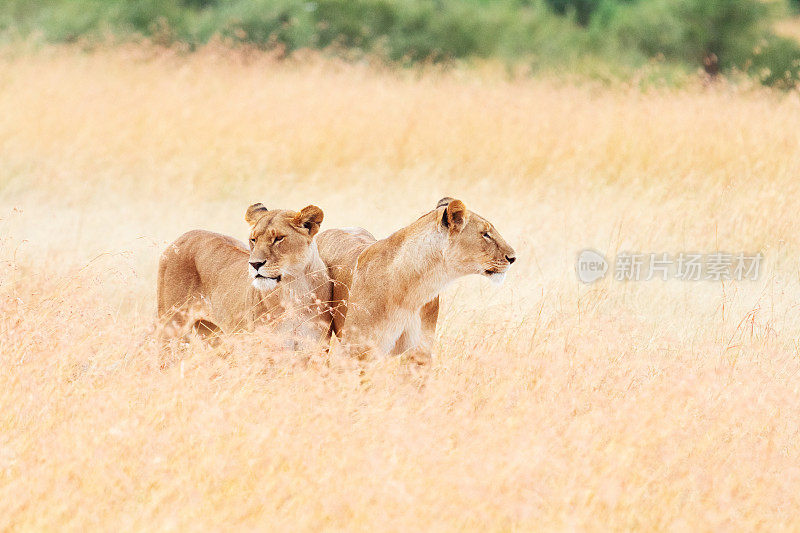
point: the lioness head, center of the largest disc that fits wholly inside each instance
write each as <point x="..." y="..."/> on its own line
<point x="280" y="243"/>
<point x="473" y="246"/>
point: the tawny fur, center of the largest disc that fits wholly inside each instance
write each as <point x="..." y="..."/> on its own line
<point x="388" y="290"/>
<point x="206" y="281"/>
<point x="341" y="248"/>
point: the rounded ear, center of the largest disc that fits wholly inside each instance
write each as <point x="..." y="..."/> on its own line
<point x="309" y="218"/>
<point x="443" y="202"/>
<point x="454" y="216"/>
<point x="254" y="213"/>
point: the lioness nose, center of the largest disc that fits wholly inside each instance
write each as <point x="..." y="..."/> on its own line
<point x="510" y="259"/>
<point x="257" y="264"/>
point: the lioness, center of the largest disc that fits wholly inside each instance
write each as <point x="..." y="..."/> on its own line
<point x="212" y="282"/>
<point x="386" y="293"/>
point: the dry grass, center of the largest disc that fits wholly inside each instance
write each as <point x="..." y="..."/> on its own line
<point x="551" y="404"/>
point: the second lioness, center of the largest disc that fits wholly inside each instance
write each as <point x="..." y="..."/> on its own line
<point x="386" y="293"/>
<point x="212" y="282"/>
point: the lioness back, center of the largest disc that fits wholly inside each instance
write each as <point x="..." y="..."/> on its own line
<point x="191" y="270"/>
<point x="339" y="250"/>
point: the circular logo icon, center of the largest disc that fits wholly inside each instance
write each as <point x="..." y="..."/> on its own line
<point x="591" y="266"/>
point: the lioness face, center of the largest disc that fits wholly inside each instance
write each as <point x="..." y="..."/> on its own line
<point x="474" y="245"/>
<point x="280" y="243"/>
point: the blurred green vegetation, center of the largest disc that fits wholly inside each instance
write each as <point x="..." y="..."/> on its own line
<point x="609" y="35"/>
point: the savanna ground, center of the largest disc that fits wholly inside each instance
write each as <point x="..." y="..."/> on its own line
<point x="550" y="404"/>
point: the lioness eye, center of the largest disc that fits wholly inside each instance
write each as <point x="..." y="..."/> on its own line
<point x="486" y="235"/>
<point x="252" y="240"/>
<point x="277" y="240"/>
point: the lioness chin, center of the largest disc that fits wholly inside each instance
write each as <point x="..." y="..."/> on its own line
<point x="386" y="292"/>
<point x="213" y="283"/>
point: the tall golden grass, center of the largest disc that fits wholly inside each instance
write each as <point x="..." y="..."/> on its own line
<point x="550" y="404"/>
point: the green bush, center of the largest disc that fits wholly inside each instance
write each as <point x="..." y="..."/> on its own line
<point x="581" y="9"/>
<point x="622" y="34"/>
<point x="724" y="34"/>
<point x="408" y="30"/>
<point x="689" y="30"/>
<point x="776" y="62"/>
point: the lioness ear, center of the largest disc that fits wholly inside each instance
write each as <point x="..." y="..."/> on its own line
<point x="454" y="217"/>
<point x="309" y="218"/>
<point x="254" y="213"/>
<point x="443" y="202"/>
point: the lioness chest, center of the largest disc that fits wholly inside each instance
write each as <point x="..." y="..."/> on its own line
<point x="295" y="314"/>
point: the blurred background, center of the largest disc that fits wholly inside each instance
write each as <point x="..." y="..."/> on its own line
<point x="652" y="126"/>
<point x="605" y="39"/>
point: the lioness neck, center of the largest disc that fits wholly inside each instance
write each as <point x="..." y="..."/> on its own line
<point x="313" y="274"/>
<point x="315" y="268"/>
<point x="419" y="270"/>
